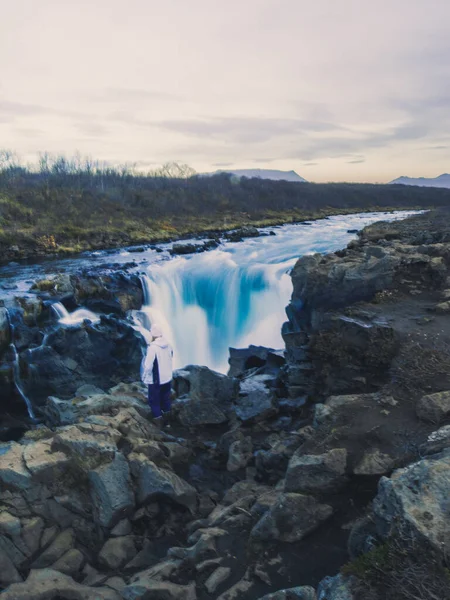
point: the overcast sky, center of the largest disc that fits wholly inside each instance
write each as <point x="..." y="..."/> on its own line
<point x="352" y="90"/>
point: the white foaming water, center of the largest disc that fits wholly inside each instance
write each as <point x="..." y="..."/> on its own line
<point x="75" y="318"/>
<point x="236" y="295"/>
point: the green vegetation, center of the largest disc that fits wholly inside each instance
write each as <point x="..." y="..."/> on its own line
<point x="72" y="205"/>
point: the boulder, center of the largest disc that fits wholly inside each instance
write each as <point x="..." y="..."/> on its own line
<point x="374" y="462"/>
<point x="44" y="465"/>
<point x="87" y="354"/>
<point x="194" y="412"/>
<point x="70" y="563"/>
<point x="117" y="552"/>
<point x="154" y="482"/>
<point x="255" y="401"/>
<point x="201" y="383"/>
<point x="13" y="472"/>
<point x="434" y="408"/>
<point x="316" y="473"/>
<point x="414" y="502"/>
<point x="60" y="545"/>
<point x="48" y="584"/>
<point x="291" y="518"/>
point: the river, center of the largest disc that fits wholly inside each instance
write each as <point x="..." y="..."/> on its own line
<point x="233" y="296"/>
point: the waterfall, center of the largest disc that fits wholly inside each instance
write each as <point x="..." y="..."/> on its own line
<point x="236" y="295"/>
<point x="18" y="384"/>
<point x="76" y="318"/>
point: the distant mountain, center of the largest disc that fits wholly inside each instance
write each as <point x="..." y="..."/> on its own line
<point x="443" y="181"/>
<point x="272" y="174"/>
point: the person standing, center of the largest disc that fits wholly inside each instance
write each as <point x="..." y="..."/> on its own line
<point x="156" y="372"/>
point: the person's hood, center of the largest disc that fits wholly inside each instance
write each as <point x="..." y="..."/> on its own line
<point x="161" y="342"/>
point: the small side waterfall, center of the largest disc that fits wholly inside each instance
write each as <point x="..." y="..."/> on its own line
<point x="16" y="372"/>
<point x="18" y="383"/>
<point x="75" y="318"/>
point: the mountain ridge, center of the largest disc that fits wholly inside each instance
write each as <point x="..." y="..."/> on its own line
<point x="442" y="181"/>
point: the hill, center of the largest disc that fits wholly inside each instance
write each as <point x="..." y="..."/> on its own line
<point x="271" y="174"/>
<point x="443" y="181"/>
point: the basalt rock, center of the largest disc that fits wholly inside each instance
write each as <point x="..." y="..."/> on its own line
<point x="96" y="354"/>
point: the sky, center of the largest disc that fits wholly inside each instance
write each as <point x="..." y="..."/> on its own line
<point x="337" y="90"/>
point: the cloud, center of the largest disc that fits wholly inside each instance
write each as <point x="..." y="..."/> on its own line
<point x="356" y="162"/>
<point x="135" y="95"/>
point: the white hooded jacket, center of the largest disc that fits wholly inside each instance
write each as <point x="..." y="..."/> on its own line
<point x="156" y="366"/>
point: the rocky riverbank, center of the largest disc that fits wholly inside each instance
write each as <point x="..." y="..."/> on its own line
<point x="319" y="473"/>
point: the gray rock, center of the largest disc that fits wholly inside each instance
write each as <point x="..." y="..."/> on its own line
<point x="291" y="518"/>
<point x="197" y="412"/>
<point x="60" y="545"/>
<point x="8" y="571"/>
<point x="117" y="552"/>
<point x="44" y="465"/>
<point x="13" y="472"/>
<point x="217" y="578"/>
<point x="153" y="481"/>
<point x="240" y="454"/>
<point x="70" y="563"/>
<point x="47" y="584"/>
<point x="434" y="407"/>
<point x="414" y="502"/>
<point x="256" y="405"/>
<point x="296" y="593"/>
<point x="321" y="473"/>
<point x="111" y="491"/>
<point x="374" y="462"/>
<point x="201" y="383"/>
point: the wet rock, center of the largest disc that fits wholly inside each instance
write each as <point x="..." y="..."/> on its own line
<point x="434" y="408"/>
<point x="291" y="518"/>
<point x="117" y="552"/>
<point x="153" y="482"/>
<point x="296" y="593"/>
<point x="73" y="356"/>
<point x="414" y="502"/>
<point x="48" y="584"/>
<point x="374" y="462"/>
<point x="8" y="571"/>
<point x="5" y="333"/>
<point x="316" y="473"/>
